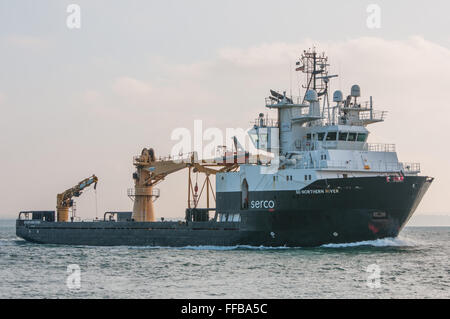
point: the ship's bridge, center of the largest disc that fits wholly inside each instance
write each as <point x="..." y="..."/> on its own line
<point x="265" y="133"/>
<point x="333" y="137"/>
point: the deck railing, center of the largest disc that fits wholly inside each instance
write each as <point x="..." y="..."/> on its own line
<point x="264" y="122"/>
<point x="379" y="147"/>
<point x="407" y="168"/>
<point x="138" y="191"/>
<point x="273" y="101"/>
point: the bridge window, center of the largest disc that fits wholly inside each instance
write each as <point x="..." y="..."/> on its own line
<point x="343" y="136"/>
<point x="331" y="136"/>
<point x="351" y="137"/>
<point x="361" y="137"/>
<point x="320" y="136"/>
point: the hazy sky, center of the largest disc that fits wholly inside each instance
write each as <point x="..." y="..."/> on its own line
<point x="79" y="101"/>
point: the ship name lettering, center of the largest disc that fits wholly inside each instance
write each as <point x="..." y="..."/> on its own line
<point x="262" y="204"/>
<point x="317" y="191"/>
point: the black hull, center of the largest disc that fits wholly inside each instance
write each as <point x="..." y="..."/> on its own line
<point x="327" y="211"/>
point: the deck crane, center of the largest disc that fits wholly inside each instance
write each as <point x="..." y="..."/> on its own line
<point x="64" y="200"/>
<point x="151" y="171"/>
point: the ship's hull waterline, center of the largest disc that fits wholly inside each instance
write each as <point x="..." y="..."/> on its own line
<point x="327" y="211"/>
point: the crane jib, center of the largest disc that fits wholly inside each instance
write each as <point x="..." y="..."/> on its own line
<point x="64" y="200"/>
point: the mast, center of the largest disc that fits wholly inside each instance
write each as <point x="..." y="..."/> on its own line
<point x="314" y="70"/>
<point x="315" y="66"/>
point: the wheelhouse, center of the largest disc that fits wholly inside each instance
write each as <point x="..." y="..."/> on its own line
<point x="335" y="136"/>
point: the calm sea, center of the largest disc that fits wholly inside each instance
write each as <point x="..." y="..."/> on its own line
<point x="415" y="265"/>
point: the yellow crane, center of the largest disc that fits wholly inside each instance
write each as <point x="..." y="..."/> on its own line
<point x="64" y="200"/>
<point x="150" y="171"/>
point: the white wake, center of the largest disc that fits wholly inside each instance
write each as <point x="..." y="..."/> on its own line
<point x="384" y="242"/>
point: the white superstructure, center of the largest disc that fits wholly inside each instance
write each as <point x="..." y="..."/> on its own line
<point x="315" y="139"/>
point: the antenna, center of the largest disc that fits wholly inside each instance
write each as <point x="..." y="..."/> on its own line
<point x="315" y="67"/>
<point x="290" y="79"/>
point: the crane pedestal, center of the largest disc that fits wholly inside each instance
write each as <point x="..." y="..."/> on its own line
<point x="62" y="213"/>
<point x="143" y="210"/>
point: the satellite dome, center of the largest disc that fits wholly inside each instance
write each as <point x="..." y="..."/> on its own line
<point x="338" y="96"/>
<point x="355" y="91"/>
<point x="311" y="96"/>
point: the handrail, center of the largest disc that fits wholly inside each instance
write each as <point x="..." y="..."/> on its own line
<point x="408" y="168"/>
<point x="136" y="191"/>
<point x="183" y="156"/>
<point x="379" y="147"/>
<point x="370" y="147"/>
<point x="271" y="101"/>
<point x="265" y="122"/>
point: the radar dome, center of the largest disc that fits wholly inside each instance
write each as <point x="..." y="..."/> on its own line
<point x="311" y="96"/>
<point x="338" y="96"/>
<point x="355" y="91"/>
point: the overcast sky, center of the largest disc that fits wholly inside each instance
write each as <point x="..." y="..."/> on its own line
<point x="79" y="101"/>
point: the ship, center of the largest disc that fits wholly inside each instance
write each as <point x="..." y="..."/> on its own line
<point x="311" y="178"/>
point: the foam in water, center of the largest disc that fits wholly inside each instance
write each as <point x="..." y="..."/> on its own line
<point x="384" y="242"/>
<point x="208" y="247"/>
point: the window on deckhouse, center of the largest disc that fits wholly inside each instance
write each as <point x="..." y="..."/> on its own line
<point x="331" y="136"/>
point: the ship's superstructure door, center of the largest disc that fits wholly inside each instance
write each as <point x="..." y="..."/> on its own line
<point x="244" y="194"/>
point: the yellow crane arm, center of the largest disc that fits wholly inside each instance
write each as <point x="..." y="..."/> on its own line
<point x="64" y="200"/>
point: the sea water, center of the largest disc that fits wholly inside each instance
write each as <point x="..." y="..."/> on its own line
<point x="414" y="265"/>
